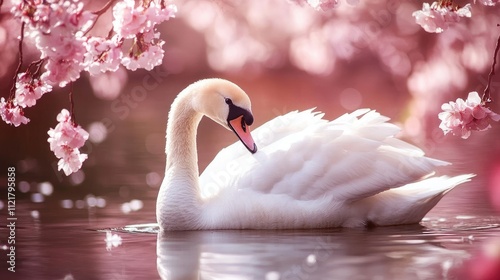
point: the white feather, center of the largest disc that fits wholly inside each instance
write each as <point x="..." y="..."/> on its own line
<point x="309" y="172"/>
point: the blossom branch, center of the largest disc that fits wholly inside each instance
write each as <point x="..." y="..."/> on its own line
<point x="19" y="65"/>
<point x="59" y="29"/>
<point x="72" y="105"/>
<point x="463" y="116"/>
<point x="486" y="98"/>
<point x="38" y="64"/>
<point x="98" y="13"/>
<point x="104" y="9"/>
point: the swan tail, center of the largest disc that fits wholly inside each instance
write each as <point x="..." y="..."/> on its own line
<point x="410" y="203"/>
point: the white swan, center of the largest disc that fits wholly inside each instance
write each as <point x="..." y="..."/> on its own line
<point x="308" y="172"/>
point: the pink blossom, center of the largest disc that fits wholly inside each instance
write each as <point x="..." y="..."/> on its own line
<point x="71" y="161"/>
<point x="29" y="89"/>
<point x="323" y="5"/>
<point x="60" y="44"/>
<point x="57" y="29"/>
<point x="130" y="20"/>
<point x="148" y="59"/>
<point x="12" y="113"/>
<point x="65" y="140"/>
<point x="61" y="72"/>
<point x="487" y="2"/>
<point x="148" y="55"/>
<point x="157" y="15"/>
<point x="436" y="18"/>
<point x="31" y="12"/>
<point x="461" y="117"/>
<point x="102" y="55"/>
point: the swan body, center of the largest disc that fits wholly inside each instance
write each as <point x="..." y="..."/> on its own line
<point x="307" y="173"/>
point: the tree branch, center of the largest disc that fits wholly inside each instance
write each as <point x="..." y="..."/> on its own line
<point x="487" y="92"/>
<point x="18" y="70"/>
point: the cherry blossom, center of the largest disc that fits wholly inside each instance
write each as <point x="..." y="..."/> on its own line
<point x="31" y="12"/>
<point x="12" y="113"/>
<point x="29" y="90"/>
<point x="61" y="72"/>
<point x="130" y="20"/>
<point x="461" y="117"/>
<point x="65" y="140"/>
<point x="56" y="28"/>
<point x="149" y="52"/>
<point x="323" y="5"/>
<point x="435" y="18"/>
<point x="487" y="2"/>
<point x="102" y="55"/>
<point x="139" y="23"/>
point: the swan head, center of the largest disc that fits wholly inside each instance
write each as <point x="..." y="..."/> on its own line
<point x="227" y="104"/>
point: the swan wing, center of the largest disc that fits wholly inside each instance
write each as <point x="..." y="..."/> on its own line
<point x="305" y="157"/>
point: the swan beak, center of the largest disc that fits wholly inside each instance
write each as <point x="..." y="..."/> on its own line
<point x="242" y="130"/>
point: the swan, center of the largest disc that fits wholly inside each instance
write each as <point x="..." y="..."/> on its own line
<point x="301" y="171"/>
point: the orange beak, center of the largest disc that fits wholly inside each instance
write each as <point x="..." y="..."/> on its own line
<point x="242" y="130"/>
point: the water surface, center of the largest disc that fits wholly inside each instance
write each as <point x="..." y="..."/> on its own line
<point x="52" y="247"/>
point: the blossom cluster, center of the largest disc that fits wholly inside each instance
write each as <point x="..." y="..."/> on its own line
<point x="65" y="141"/>
<point x="29" y="90"/>
<point x="488" y="2"/>
<point x="435" y="18"/>
<point x="461" y="117"/>
<point x="324" y="5"/>
<point x="58" y="29"/>
<point x="11" y="113"/>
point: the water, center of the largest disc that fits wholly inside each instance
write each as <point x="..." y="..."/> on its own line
<point x="53" y="242"/>
<point x="55" y="248"/>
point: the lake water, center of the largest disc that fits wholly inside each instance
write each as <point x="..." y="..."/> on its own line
<point x="63" y="222"/>
<point x="71" y="244"/>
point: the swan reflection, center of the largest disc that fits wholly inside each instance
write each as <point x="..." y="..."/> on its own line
<point x="387" y="253"/>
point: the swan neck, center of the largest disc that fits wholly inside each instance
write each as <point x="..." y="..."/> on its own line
<point x="179" y="202"/>
<point x="181" y="138"/>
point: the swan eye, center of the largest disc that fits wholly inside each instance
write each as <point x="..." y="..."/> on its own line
<point x="228" y="101"/>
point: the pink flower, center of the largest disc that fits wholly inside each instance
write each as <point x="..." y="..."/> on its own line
<point x="31" y="12"/>
<point x="61" y="72"/>
<point x="149" y="53"/>
<point x="57" y="29"/>
<point x="130" y="20"/>
<point x="323" y="5"/>
<point x="461" y="117"/>
<point x="488" y="2"/>
<point x="29" y="89"/>
<point x="12" y="113"/>
<point x="71" y="161"/>
<point x="65" y="140"/>
<point x="436" y="18"/>
<point x="102" y="55"/>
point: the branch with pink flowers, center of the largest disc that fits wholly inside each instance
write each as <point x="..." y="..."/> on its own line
<point x="462" y="117"/>
<point x="59" y="31"/>
<point x="438" y="16"/>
